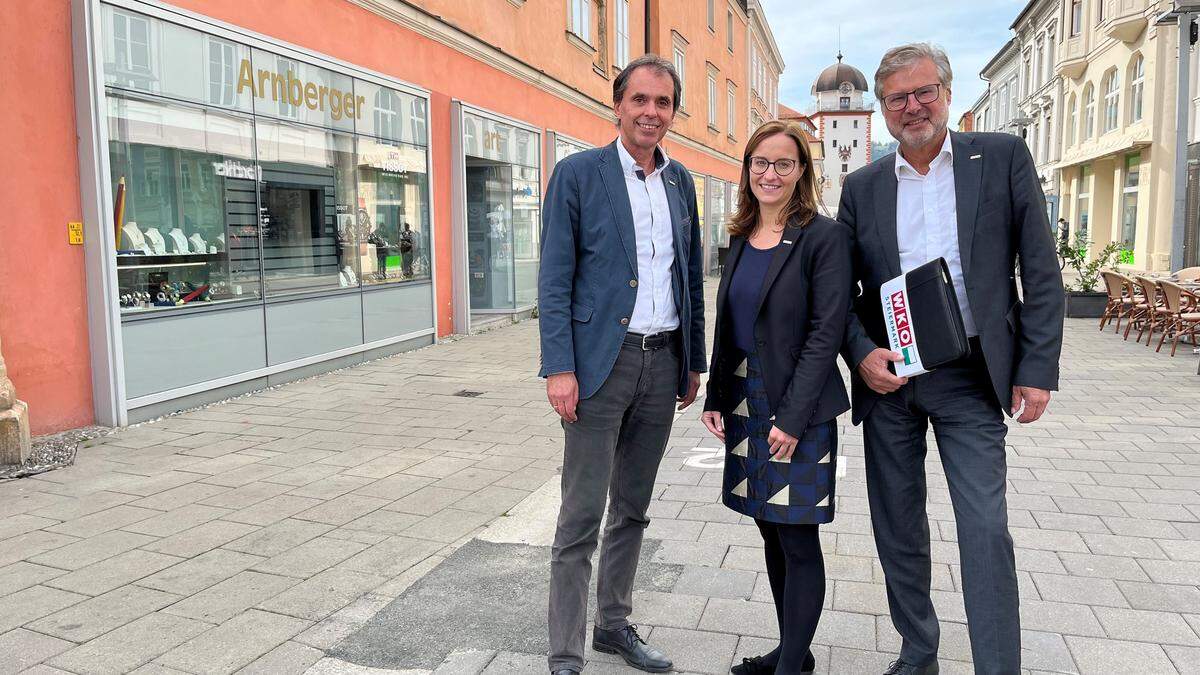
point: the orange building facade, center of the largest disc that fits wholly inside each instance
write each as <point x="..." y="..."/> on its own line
<point x="267" y="194"/>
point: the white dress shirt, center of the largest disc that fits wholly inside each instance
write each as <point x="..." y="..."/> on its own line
<point x="654" y="310"/>
<point x="927" y="221"/>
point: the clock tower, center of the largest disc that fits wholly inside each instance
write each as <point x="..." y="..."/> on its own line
<point x="843" y="122"/>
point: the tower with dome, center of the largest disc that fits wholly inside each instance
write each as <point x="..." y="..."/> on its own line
<point x="842" y="117"/>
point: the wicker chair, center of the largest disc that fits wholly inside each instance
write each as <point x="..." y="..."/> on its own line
<point x="1183" y="314"/>
<point x="1188" y="274"/>
<point x="1154" y="313"/>
<point x="1121" y="300"/>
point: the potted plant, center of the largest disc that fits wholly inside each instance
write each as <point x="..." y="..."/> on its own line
<point x="1084" y="301"/>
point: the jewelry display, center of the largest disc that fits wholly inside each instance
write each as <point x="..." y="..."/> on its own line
<point x="132" y="239"/>
<point x="197" y="243"/>
<point x="179" y="243"/>
<point x="219" y="243"/>
<point x="154" y="238"/>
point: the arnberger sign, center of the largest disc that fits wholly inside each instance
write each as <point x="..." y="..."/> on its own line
<point x="298" y="92"/>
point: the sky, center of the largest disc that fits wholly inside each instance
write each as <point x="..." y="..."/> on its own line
<point x="971" y="32"/>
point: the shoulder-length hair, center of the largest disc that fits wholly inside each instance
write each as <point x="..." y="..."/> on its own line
<point x="802" y="207"/>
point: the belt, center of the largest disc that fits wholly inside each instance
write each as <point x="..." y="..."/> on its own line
<point x="652" y="341"/>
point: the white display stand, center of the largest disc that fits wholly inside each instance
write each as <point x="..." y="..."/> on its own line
<point x="179" y="242"/>
<point x="132" y="239"/>
<point x="158" y="245"/>
<point x="198" y="244"/>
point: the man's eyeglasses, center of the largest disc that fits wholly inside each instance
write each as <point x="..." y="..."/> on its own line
<point x="927" y="94"/>
<point x="759" y="166"/>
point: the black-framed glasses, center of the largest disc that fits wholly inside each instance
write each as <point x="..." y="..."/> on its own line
<point x="759" y="166"/>
<point x="924" y="95"/>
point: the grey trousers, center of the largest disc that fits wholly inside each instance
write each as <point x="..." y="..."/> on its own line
<point x="612" y="452"/>
<point x="969" y="427"/>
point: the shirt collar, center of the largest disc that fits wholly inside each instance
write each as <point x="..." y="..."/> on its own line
<point x="903" y="167"/>
<point x="630" y="165"/>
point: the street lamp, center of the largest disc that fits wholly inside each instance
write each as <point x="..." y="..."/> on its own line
<point x="1183" y="14"/>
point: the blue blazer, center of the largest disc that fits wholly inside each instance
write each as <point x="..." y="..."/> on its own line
<point x="589" y="261"/>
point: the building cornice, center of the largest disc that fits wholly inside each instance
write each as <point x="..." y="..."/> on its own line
<point x="432" y="27"/>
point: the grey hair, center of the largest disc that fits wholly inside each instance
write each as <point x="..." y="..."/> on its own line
<point x="656" y="63"/>
<point x="904" y="56"/>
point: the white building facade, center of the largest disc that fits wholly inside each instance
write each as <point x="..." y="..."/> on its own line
<point x="1002" y="76"/>
<point x="843" y="121"/>
<point x="1039" y="103"/>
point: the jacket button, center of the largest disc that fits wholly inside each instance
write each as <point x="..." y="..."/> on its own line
<point x="633" y="283"/>
<point x="624" y="322"/>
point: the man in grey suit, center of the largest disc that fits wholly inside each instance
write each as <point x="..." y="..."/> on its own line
<point x="975" y="200"/>
<point x="621" y="306"/>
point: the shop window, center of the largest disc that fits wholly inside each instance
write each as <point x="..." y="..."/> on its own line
<point x="420" y="125"/>
<point x="286" y="107"/>
<point x="306" y="192"/>
<point x="392" y="218"/>
<point x="1129" y="200"/>
<point x="182" y="242"/>
<point x="131" y="46"/>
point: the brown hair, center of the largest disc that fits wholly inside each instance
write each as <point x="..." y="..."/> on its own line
<point x="803" y="204"/>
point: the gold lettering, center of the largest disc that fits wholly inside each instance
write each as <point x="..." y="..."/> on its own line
<point x="322" y="94"/>
<point x="246" y="77"/>
<point x="278" y="87"/>
<point x="348" y="105"/>
<point x="335" y="104"/>
<point x="263" y="76"/>
<point x="359" y="107"/>
<point x="310" y="95"/>
<point x="295" y="90"/>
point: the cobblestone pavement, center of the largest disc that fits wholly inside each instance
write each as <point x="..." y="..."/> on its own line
<point x="258" y="534"/>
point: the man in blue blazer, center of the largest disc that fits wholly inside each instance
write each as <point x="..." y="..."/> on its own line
<point x="975" y="200"/>
<point x="621" y="305"/>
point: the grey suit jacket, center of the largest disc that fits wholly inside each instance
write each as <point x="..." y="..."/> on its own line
<point x="1001" y="219"/>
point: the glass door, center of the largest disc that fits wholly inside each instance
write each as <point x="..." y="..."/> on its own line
<point x="489" y="190"/>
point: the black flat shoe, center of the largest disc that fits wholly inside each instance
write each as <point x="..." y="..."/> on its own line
<point x="755" y="666"/>
<point x="626" y="643"/>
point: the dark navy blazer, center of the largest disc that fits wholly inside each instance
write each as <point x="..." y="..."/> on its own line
<point x="589" y="263"/>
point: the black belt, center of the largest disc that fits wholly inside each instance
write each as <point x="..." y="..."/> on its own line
<point x="652" y="341"/>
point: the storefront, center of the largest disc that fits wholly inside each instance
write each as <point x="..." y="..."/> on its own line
<point x="265" y="210"/>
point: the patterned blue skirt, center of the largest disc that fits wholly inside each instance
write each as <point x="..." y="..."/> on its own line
<point x="797" y="491"/>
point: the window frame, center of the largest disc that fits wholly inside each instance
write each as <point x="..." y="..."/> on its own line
<point x="1112" y="101"/>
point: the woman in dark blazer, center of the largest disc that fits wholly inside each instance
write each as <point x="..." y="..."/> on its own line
<point x="774" y="390"/>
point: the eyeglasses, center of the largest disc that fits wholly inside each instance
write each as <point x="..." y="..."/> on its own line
<point x="927" y="94"/>
<point x="759" y="166"/>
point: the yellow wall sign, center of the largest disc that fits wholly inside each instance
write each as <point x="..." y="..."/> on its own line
<point x="75" y="233"/>
<point x="298" y="92"/>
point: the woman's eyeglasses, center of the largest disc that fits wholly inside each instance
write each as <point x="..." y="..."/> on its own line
<point x="759" y="166"/>
<point x="925" y="95"/>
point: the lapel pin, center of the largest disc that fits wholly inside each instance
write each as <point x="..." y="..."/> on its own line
<point x="670" y="181"/>
<point x="976" y="156"/>
<point x="787" y="241"/>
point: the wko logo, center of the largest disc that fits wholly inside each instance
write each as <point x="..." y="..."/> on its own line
<point x="903" y="326"/>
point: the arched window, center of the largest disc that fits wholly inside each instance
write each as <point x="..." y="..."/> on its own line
<point x="1089" y="112"/>
<point x="1137" y="85"/>
<point x="1072" y="120"/>
<point x="1112" y="100"/>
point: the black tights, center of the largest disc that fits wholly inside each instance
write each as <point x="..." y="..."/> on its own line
<point x="796" y="570"/>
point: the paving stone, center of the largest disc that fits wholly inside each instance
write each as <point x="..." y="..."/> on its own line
<point x="272" y="510"/>
<point x="311" y="557"/>
<point x="465" y="663"/>
<point x="77" y="507"/>
<point x="32" y="544"/>
<point x="420" y="498"/>
<point x="1089" y="591"/>
<point x="114" y="572"/>
<point x="233" y="644"/>
<point x="246" y="495"/>
<point x="1186" y="659"/>
<point x="21" y="575"/>
<point x="94" y="617"/>
<point x="715" y="582"/>
<point x="1146" y="626"/>
<point x="336" y="486"/>
<point x="341" y="510"/>
<point x="103" y="521"/>
<point x="225" y="600"/>
<point x="391" y="556"/>
<point x="174" y="522"/>
<point x="84" y="552"/>
<point x="194" y="575"/>
<point x="201" y="538"/>
<point x="447" y="525"/>
<point x="668" y="609"/>
<point x="1113" y="656"/>
<point x="1103" y="566"/>
<point x="1132" y="547"/>
<point x="24" y="649"/>
<point x="184" y="495"/>
<point x="741" y="617"/>
<point x="323" y="594"/>
<point x="1161" y="597"/>
<point x="696" y="651"/>
<point x="278" y="538"/>
<point x="131" y="645"/>
<point x="289" y="657"/>
<point x="1046" y="651"/>
<point x="677" y="552"/>
<point x="1060" y="617"/>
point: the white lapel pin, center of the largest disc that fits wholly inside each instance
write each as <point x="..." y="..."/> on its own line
<point x="670" y="181"/>
<point x="787" y="241"/>
<point x="976" y="156"/>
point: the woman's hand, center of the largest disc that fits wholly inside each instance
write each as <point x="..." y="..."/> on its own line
<point x="783" y="444"/>
<point x="713" y="422"/>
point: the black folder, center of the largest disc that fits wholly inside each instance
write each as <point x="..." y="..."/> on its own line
<point x="936" y="318"/>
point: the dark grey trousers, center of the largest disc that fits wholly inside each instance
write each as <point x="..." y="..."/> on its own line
<point x="969" y="428"/>
<point x="612" y="452"/>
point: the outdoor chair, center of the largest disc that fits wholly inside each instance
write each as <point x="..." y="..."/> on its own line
<point x="1187" y="274"/>
<point x="1121" y="301"/>
<point x="1153" y="312"/>
<point x="1183" y="314"/>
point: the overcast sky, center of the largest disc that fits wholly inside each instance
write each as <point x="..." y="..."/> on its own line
<point x="971" y="32"/>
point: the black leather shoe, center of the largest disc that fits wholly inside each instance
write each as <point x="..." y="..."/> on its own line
<point x="626" y="643"/>
<point x="755" y="666"/>
<point x="902" y="668"/>
<point x="565" y="671"/>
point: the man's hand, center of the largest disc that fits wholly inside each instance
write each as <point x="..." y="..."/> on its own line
<point x="714" y="423"/>
<point x="693" y="387"/>
<point x="874" y="371"/>
<point x="563" y="391"/>
<point x="782" y="443"/>
<point x="1035" y="401"/>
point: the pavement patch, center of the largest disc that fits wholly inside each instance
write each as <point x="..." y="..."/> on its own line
<point x="486" y="596"/>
